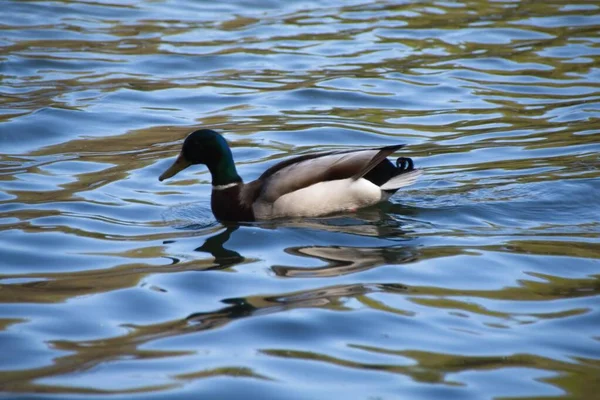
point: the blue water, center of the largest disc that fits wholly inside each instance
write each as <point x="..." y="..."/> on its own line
<point x="481" y="281"/>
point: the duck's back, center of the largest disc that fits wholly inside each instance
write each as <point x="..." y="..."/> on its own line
<point x="301" y="172"/>
<point x="322" y="183"/>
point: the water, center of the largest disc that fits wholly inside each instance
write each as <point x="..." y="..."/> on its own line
<point x="480" y="281"/>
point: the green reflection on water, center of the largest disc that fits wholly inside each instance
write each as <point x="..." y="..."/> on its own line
<point x="498" y="102"/>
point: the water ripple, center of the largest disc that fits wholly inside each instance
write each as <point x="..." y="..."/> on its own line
<point x="480" y="281"/>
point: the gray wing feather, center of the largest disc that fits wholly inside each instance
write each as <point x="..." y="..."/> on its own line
<point x="303" y="171"/>
<point x="308" y="172"/>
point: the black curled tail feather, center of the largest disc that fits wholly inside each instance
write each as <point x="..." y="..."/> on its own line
<point x="404" y="164"/>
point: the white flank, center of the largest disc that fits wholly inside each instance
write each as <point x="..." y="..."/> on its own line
<point x="223" y="187"/>
<point x="322" y="198"/>
<point x="402" y="180"/>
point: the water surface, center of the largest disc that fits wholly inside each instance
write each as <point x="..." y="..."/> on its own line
<point x="480" y="281"/>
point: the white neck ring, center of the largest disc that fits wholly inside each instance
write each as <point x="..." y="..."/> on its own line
<point x="227" y="186"/>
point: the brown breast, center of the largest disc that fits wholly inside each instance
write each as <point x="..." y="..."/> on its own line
<point x="226" y="205"/>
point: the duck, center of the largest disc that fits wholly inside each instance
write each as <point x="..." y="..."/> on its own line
<point x="308" y="185"/>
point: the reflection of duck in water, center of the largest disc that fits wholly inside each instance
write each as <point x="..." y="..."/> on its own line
<point x="343" y="260"/>
<point x="263" y="305"/>
<point x="305" y="186"/>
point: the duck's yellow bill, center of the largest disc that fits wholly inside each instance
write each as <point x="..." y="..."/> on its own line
<point x="180" y="164"/>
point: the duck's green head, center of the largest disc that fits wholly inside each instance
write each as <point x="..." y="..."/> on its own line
<point x="207" y="147"/>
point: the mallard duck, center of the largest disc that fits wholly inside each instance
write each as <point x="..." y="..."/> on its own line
<point x="309" y="185"/>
